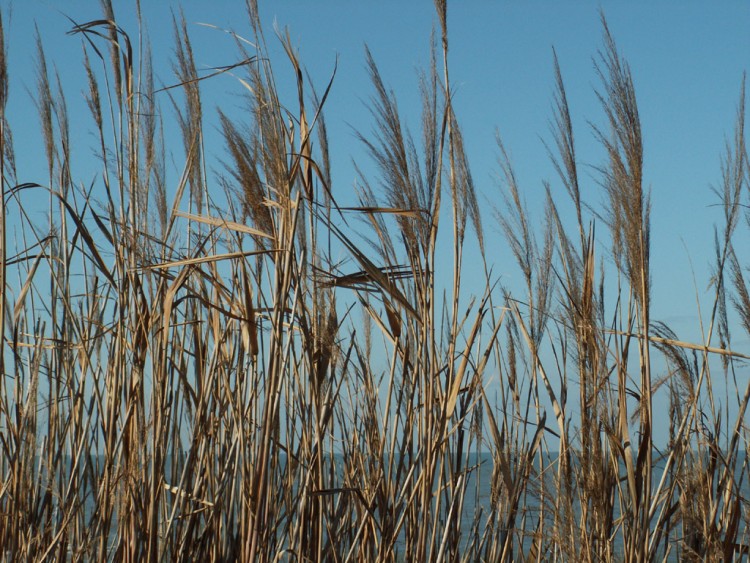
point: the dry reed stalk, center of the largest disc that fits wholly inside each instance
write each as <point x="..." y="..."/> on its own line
<point x="218" y="388"/>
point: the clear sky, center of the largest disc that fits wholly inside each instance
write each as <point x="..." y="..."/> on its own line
<point x="687" y="59"/>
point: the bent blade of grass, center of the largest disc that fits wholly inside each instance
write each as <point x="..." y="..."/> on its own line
<point x="205" y="259"/>
<point x="222" y="223"/>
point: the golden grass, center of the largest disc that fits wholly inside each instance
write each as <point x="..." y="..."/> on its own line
<point x="207" y="384"/>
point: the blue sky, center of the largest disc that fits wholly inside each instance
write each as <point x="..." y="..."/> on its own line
<point x="687" y="59"/>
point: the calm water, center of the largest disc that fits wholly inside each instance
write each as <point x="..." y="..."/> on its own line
<point x="477" y="500"/>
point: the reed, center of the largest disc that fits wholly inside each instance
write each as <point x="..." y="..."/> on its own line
<point x="190" y="374"/>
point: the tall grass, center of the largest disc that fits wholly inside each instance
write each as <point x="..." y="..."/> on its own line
<point x="189" y="373"/>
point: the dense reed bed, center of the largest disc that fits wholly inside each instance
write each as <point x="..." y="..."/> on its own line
<point x="190" y="372"/>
